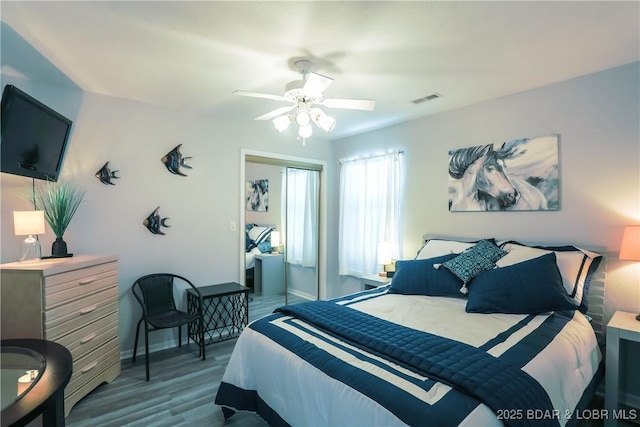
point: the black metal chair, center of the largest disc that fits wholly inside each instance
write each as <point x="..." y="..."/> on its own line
<point x="154" y="292"/>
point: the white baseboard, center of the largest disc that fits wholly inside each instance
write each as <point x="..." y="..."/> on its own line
<point x="629" y="399"/>
<point x="128" y="354"/>
<point x="302" y="294"/>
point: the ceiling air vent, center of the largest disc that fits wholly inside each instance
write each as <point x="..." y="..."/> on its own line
<point x="429" y="97"/>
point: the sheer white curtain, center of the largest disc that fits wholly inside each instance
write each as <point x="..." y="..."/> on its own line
<point x="369" y="212"/>
<point x="300" y="216"/>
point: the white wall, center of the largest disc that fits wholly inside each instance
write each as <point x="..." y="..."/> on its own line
<point x="200" y="207"/>
<point x="597" y="118"/>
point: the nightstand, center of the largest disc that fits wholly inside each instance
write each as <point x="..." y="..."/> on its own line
<point x="373" y="281"/>
<point x="269" y="274"/>
<point x="623" y="326"/>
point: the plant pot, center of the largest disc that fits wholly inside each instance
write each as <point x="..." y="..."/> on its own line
<point x="59" y="248"/>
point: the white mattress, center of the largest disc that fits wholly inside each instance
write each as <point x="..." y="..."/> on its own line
<point x="304" y="395"/>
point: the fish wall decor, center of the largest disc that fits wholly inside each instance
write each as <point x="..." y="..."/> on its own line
<point x="105" y="175"/>
<point x="153" y="222"/>
<point x="173" y="160"/>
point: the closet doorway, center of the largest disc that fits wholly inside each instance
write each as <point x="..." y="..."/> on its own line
<point x="291" y="202"/>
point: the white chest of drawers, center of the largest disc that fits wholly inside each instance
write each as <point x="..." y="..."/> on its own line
<point x="72" y="301"/>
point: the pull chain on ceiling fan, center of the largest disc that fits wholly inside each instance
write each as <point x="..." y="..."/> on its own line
<point x="304" y="94"/>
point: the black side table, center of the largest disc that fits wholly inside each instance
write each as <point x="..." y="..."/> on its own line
<point x="225" y="311"/>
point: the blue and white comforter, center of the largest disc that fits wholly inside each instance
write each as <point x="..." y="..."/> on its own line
<point x="294" y="373"/>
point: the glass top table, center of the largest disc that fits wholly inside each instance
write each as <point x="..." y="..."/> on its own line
<point x="19" y="369"/>
<point x="34" y="374"/>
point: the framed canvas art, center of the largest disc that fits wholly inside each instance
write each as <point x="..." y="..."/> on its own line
<point x="257" y="195"/>
<point x="518" y="175"/>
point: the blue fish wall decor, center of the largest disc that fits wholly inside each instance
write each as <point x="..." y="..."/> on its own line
<point x="173" y="160"/>
<point x="105" y="175"/>
<point x="153" y="222"/>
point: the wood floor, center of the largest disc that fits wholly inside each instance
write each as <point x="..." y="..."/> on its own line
<point x="182" y="389"/>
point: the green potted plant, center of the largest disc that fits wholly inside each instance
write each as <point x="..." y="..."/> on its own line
<point x="59" y="201"/>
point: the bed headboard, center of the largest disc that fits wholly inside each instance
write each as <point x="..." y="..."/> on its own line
<point x="595" y="297"/>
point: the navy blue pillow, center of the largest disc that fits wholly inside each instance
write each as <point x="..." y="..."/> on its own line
<point x="419" y="277"/>
<point x="577" y="271"/>
<point x="530" y="287"/>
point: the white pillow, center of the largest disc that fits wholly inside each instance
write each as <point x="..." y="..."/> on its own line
<point x="260" y="234"/>
<point x="438" y="247"/>
<point x="517" y="253"/>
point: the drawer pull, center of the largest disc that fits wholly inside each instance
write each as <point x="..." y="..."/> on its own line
<point x="87" y="338"/>
<point x="89" y="367"/>
<point x="87" y="280"/>
<point x="88" y="309"/>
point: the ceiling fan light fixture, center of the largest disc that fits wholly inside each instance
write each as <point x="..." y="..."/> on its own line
<point x="305" y="131"/>
<point x="303" y="94"/>
<point x="281" y="123"/>
<point x="303" y="118"/>
<point x="324" y="121"/>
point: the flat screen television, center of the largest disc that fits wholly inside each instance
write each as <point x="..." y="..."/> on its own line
<point x="33" y="136"/>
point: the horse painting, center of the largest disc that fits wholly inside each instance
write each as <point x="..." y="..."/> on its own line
<point x="480" y="180"/>
<point x="257" y="195"/>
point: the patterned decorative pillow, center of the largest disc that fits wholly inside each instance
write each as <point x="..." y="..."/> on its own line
<point x="488" y="250"/>
<point x="438" y="247"/>
<point x="468" y="265"/>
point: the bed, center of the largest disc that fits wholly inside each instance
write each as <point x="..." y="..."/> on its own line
<point x="447" y="343"/>
<point x="257" y="241"/>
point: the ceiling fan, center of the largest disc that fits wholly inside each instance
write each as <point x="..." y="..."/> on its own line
<point x="304" y="95"/>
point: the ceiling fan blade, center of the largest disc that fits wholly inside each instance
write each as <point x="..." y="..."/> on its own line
<point x="259" y="95"/>
<point x="352" y="104"/>
<point x="275" y="113"/>
<point x="316" y="84"/>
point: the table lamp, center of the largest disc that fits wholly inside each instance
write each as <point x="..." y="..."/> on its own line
<point x="630" y="246"/>
<point x="275" y="242"/>
<point x="29" y="223"/>
<point x="384" y="258"/>
<point x="25" y="381"/>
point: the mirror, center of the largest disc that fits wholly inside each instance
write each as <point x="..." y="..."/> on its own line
<point x="300" y="209"/>
<point x="281" y="206"/>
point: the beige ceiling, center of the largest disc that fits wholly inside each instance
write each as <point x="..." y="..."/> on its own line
<point x="192" y="55"/>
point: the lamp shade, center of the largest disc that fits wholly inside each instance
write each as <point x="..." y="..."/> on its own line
<point x="275" y="239"/>
<point x="384" y="253"/>
<point x="305" y="131"/>
<point x="327" y="123"/>
<point x="281" y="123"/>
<point x="322" y="120"/>
<point x="28" y="222"/>
<point x="303" y="118"/>
<point x="630" y="246"/>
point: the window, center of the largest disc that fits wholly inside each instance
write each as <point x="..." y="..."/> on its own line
<point x="369" y="211"/>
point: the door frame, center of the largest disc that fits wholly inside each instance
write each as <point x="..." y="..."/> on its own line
<point x="322" y="220"/>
